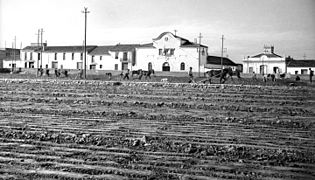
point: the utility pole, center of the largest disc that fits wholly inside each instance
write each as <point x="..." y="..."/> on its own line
<point x="14" y="51"/>
<point x="85" y="15"/>
<point x="41" y="49"/>
<point x="222" y="54"/>
<point x="38" y="34"/>
<point x="199" y="53"/>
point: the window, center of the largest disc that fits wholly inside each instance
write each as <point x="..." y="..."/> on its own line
<point x="55" y="56"/>
<point x="116" y="55"/>
<point x="116" y="66"/>
<point x="182" y="66"/>
<point x="149" y="66"/>
<point x="25" y="56"/>
<point x="160" y="52"/>
<point x="125" y="56"/>
<point x="72" y="56"/>
<point x="31" y="56"/>
<point x="38" y="56"/>
<point x="101" y="66"/>
<point x="303" y="71"/>
<point x="64" y="56"/>
<point x="81" y="56"/>
<point x="100" y="58"/>
<point x="296" y="72"/>
<point x="172" y="51"/>
<point x="92" y="59"/>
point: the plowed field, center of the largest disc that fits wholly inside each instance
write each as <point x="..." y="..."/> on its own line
<point x="62" y="129"/>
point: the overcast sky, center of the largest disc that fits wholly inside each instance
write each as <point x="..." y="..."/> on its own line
<point x="247" y="25"/>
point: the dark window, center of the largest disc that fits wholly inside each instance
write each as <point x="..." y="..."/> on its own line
<point x="25" y="56"/>
<point x="160" y="51"/>
<point x="92" y="59"/>
<point x="116" y="66"/>
<point x="100" y="58"/>
<point x="172" y="51"/>
<point x="38" y="56"/>
<point x="81" y="56"/>
<point x="72" y="56"/>
<point x="296" y="72"/>
<point x="31" y="56"/>
<point x="116" y="55"/>
<point x="149" y="66"/>
<point x="182" y="66"/>
<point x="55" y="56"/>
<point x="125" y="56"/>
<point x="64" y="56"/>
<point x="101" y="66"/>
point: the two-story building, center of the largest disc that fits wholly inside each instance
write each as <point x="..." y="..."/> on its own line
<point x="9" y="58"/>
<point x="169" y="52"/>
<point x="267" y="62"/>
<point x="61" y="57"/>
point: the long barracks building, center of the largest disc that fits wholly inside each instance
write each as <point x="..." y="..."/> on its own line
<point x="167" y="52"/>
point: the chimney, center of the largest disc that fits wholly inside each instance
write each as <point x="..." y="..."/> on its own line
<point x="272" y="48"/>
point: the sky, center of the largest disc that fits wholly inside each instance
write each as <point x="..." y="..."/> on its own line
<point x="247" y="25"/>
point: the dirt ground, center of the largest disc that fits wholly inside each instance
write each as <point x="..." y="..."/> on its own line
<point x="76" y="129"/>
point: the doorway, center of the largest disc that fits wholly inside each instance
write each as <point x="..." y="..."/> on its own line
<point x="166" y="66"/>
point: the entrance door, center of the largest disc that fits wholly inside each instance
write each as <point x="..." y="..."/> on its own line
<point x="166" y="67"/>
<point x="79" y="65"/>
<point x="31" y="65"/>
<point x="262" y="69"/>
<point x="124" y="66"/>
<point x="275" y="69"/>
<point x="93" y="67"/>
<point x="54" y="65"/>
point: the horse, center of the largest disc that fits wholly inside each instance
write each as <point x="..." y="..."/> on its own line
<point x="148" y="73"/>
<point x="267" y="76"/>
<point x="137" y="72"/>
<point x="222" y="74"/>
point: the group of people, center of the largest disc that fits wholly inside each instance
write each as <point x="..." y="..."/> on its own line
<point x="58" y="72"/>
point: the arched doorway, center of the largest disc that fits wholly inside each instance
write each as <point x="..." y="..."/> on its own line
<point x="149" y="66"/>
<point x="166" y="67"/>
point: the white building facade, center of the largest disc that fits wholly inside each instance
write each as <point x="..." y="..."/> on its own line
<point x="169" y="52"/>
<point x="265" y="63"/>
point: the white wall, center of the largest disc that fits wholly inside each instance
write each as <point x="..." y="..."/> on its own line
<point x="269" y="64"/>
<point x="292" y="70"/>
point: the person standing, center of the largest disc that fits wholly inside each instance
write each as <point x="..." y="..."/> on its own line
<point x="126" y="75"/>
<point x="191" y="76"/>
<point x="311" y="75"/>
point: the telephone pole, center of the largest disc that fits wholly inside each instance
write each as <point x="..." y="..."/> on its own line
<point x="199" y="53"/>
<point x="222" y="54"/>
<point x="38" y="35"/>
<point x="85" y="15"/>
<point x="41" y="49"/>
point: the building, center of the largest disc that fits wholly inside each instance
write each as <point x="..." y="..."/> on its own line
<point x="61" y="57"/>
<point x="169" y="52"/>
<point x="300" y="66"/>
<point x="9" y="57"/>
<point x="214" y="62"/>
<point x="267" y="62"/>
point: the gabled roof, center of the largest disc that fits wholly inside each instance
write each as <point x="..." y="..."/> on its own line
<point x="101" y="50"/>
<point x="217" y="60"/>
<point x="301" y="63"/>
<point x="68" y="48"/>
<point x="271" y="55"/>
<point x="124" y="47"/>
<point x="186" y="42"/>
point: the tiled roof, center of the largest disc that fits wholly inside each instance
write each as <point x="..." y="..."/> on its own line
<point x="190" y="44"/>
<point x="124" y="47"/>
<point x="60" y="48"/>
<point x="68" y="48"/>
<point x="186" y="43"/>
<point x="101" y="50"/>
<point x="217" y="60"/>
<point x="272" y="55"/>
<point x="301" y="63"/>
